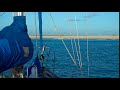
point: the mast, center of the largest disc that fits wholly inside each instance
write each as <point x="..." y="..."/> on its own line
<point x="40" y="30"/>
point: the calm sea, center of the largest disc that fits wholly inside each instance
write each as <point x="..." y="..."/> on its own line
<point x="103" y="58"/>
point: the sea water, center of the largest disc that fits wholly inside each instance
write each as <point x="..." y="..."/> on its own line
<point x="103" y="58"/>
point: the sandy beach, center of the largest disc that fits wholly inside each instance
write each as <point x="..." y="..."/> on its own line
<point x="80" y="37"/>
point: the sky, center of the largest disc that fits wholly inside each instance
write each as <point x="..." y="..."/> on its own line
<point x="67" y="23"/>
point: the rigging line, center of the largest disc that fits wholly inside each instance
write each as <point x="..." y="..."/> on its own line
<point x="36" y="35"/>
<point x="73" y="48"/>
<point x="2" y="14"/>
<point x="53" y="62"/>
<point x="78" y="43"/>
<point x="13" y="14"/>
<point x="77" y="50"/>
<point x="53" y="22"/>
<point x="62" y="40"/>
<point x="87" y="50"/>
<point x="78" y="53"/>
<point x="71" y="40"/>
<point x="71" y="73"/>
<point x="68" y="51"/>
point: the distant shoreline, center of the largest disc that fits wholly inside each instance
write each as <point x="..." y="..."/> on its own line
<point x="80" y="37"/>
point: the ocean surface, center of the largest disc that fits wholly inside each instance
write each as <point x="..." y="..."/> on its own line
<point x="103" y="58"/>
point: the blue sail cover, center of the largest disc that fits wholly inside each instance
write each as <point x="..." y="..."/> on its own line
<point x="12" y="40"/>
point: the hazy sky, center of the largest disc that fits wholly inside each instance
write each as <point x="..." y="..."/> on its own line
<point x="95" y="23"/>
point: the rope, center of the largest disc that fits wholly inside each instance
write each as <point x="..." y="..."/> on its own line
<point x="88" y="59"/>
<point x="79" y="59"/>
<point x="68" y="51"/>
<point x="62" y="40"/>
<point x="36" y="36"/>
<point x="86" y="17"/>
<point x="53" y="61"/>
<point x="2" y="14"/>
<point x="73" y="48"/>
<point x="77" y="50"/>
<point x="71" y="41"/>
<point x="87" y="52"/>
<point x="53" y="22"/>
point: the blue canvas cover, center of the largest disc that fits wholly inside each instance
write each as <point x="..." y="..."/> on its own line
<point x="37" y="65"/>
<point x="12" y="40"/>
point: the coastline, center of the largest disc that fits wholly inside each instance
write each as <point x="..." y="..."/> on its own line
<point x="80" y="37"/>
